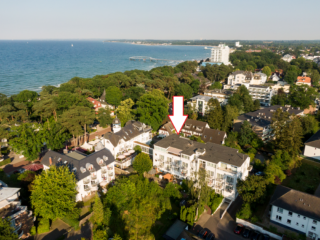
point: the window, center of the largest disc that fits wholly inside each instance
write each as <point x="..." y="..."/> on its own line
<point x="280" y="210"/>
<point x="230" y="179"/>
<point x="161" y="157"/>
<point x="297" y="224"/>
<point x="279" y="218"/>
<point x="304" y="218"/>
<point x="298" y="215"/>
<point x="313" y="228"/>
<point x="314" y="222"/>
<point x="289" y="221"/>
<point x="302" y="226"/>
<point x="290" y="214"/>
<point x="211" y="164"/>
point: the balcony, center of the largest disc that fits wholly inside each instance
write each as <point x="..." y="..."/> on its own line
<point x="110" y="168"/>
<point x="220" y="186"/>
<point x="227" y="170"/>
<point x="94" y="184"/>
<point x="87" y="189"/>
<point x="86" y="181"/>
<point x="103" y="171"/>
<point x="110" y="174"/>
<point x="219" y="180"/>
<point x="93" y="176"/>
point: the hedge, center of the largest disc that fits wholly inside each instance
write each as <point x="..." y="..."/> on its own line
<point x="4" y="162"/>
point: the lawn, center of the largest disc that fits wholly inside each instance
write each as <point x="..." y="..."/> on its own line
<point x="166" y="220"/>
<point x="305" y="178"/>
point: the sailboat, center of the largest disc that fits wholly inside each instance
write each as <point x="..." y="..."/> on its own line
<point x="71" y="45"/>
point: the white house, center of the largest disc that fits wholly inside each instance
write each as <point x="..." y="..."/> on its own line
<point x="220" y="54"/>
<point x="121" y="141"/>
<point x="312" y="146"/>
<point x="183" y="158"/>
<point x="288" y="58"/>
<point x="241" y="77"/>
<point x="296" y="210"/>
<point x="90" y="170"/>
<point x="11" y="209"/>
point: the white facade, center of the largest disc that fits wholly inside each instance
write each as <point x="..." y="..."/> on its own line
<point x="237" y="44"/>
<point x="296" y="221"/>
<point x="312" y="152"/>
<point x="241" y="77"/>
<point x="220" y="54"/>
<point x="287" y="58"/>
<point x="222" y="177"/>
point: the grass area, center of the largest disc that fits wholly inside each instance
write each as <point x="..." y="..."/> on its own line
<point x="166" y="220"/>
<point x="305" y="178"/>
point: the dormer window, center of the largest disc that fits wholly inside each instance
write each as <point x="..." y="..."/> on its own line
<point x="59" y="160"/>
<point x="127" y="133"/>
<point x="82" y="169"/>
<point x="105" y="158"/>
<point x="65" y="162"/>
<point x="205" y="136"/>
<point x="130" y="131"/>
<point x="99" y="161"/>
<point x="89" y="166"/>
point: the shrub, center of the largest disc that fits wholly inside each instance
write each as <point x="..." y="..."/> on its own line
<point x="254" y="219"/>
<point x="137" y="149"/>
<point x="288" y="172"/>
<point x="5" y="162"/>
<point x="216" y="202"/>
<point x="245" y="211"/>
<point x="44" y="226"/>
<point x="273" y="229"/>
<point x="33" y="231"/>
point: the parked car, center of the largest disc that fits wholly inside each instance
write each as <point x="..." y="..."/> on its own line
<point x="259" y="173"/>
<point x="265" y="237"/>
<point x="238" y="229"/>
<point x="210" y="236"/>
<point x="202" y="233"/>
<point x="255" y="235"/>
<point x="246" y="232"/>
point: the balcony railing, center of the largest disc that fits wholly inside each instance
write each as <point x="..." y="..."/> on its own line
<point x="219" y="186"/>
<point x="110" y="168"/>
<point x="103" y="171"/>
<point x="93" y="184"/>
<point x="110" y="174"/>
<point x="227" y="170"/>
<point x="93" y="176"/>
<point x="17" y="211"/>
<point x="86" y="181"/>
<point x="87" y="189"/>
<point x="219" y="180"/>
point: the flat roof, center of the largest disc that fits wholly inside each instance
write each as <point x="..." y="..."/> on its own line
<point x="76" y="155"/>
<point x="6" y="192"/>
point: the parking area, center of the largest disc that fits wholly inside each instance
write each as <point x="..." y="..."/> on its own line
<point x="222" y="228"/>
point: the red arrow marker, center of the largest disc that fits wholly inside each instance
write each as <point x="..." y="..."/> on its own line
<point x="178" y="118"/>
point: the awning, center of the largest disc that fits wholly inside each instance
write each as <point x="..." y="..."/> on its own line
<point x="131" y="151"/>
<point x="121" y="157"/>
<point x="127" y="154"/>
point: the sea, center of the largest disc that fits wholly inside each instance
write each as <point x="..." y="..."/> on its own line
<point x="33" y="64"/>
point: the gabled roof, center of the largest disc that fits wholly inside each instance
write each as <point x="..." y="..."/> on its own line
<point x="129" y="131"/>
<point x="212" y="152"/>
<point x="76" y="163"/>
<point x="7" y="192"/>
<point x="94" y="101"/>
<point x="213" y="136"/>
<point x="298" y="202"/>
<point x="314" y="140"/>
<point x="194" y="125"/>
<point x="303" y="80"/>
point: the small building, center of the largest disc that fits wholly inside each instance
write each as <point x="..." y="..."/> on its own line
<point x="288" y="58"/>
<point x="312" y="146"/>
<point x="304" y="80"/>
<point x="96" y="104"/>
<point x="296" y="210"/>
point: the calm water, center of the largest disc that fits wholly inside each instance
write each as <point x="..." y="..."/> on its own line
<point x="32" y="64"/>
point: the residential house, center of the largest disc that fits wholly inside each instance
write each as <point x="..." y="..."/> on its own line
<point x="96" y="104"/>
<point x="183" y="158"/>
<point x="261" y="120"/>
<point x="196" y="128"/>
<point x="251" y="51"/>
<point x="296" y="210"/>
<point x="275" y="77"/>
<point x="11" y="209"/>
<point x="312" y="146"/>
<point x="304" y="80"/>
<point x="122" y="140"/>
<point x="288" y="58"/>
<point x="241" y="77"/>
<point x="90" y="170"/>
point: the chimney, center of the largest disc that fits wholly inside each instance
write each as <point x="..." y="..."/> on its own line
<point x="50" y="161"/>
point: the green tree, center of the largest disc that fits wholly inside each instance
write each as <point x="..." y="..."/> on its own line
<point x="104" y="117"/>
<point x="142" y="163"/>
<point x="117" y="237"/>
<point x="125" y="112"/>
<point x="113" y="95"/>
<point x="315" y="77"/>
<point x="291" y="77"/>
<point x="246" y="134"/>
<point x="309" y="125"/>
<point x="134" y="93"/>
<point x="256" y="104"/>
<point x="216" y="85"/>
<point x="266" y="70"/>
<point x="272" y="171"/>
<point x="98" y="214"/>
<point x="302" y="96"/>
<point x="253" y="189"/>
<point x="215" y="116"/>
<point x="195" y="84"/>
<point x="54" y="193"/>
<point x="185" y="90"/>
<point x="230" y="113"/>
<point x="152" y="110"/>
<point x="6" y="231"/>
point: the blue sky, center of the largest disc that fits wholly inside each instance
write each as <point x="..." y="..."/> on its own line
<point x="165" y="19"/>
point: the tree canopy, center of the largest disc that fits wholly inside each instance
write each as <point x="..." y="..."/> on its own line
<point x="142" y="163"/>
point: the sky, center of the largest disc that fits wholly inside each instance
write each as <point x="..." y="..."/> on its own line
<point x="165" y="19"/>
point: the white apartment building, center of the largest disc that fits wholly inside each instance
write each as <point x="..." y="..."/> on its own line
<point x="90" y="170"/>
<point x="220" y="54"/>
<point x="121" y="141"/>
<point x="288" y="58"/>
<point x="241" y="77"/>
<point x="183" y="158"/>
<point x="11" y="209"/>
<point x="312" y="146"/>
<point x="260" y="92"/>
<point x="296" y="210"/>
<point x="200" y="102"/>
<point x="237" y="44"/>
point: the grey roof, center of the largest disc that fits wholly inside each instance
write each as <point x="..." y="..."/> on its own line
<point x="213" y="135"/>
<point x="247" y="74"/>
<point x="263" y="117"/>
<point x="129" y="131"/>
<point x="6" y="192"/>
<point x="213" y="152"/>
<point x="298" y="202"/>
<point x="194" y="125"/>
<point x="75" y="163"/>
<point x="314" y="140"/>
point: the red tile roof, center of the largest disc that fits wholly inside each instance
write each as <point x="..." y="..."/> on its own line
<point x="303" y="80"/>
